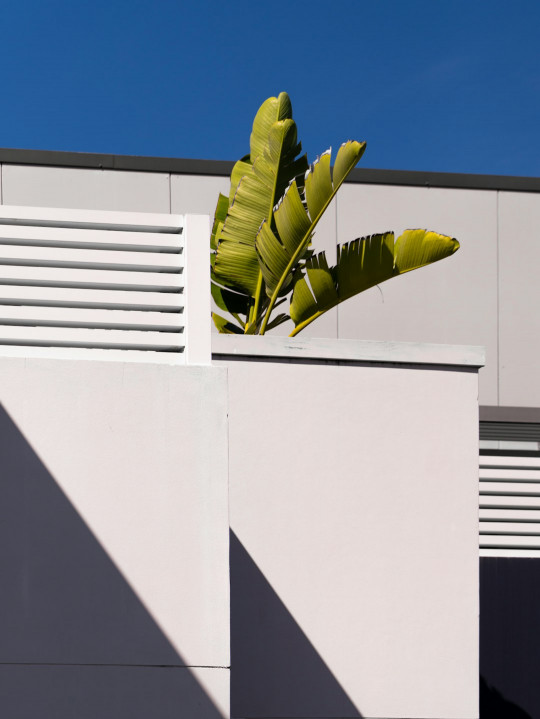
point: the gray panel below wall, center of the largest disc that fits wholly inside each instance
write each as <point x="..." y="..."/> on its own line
<point x="107" y="692"/>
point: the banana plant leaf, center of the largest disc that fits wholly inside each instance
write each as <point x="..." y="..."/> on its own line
<point x="239" y="170"/>
<point x="236" y="263"/>
<point x="224" y="326"/>
<point x="233" y="302"/>
<point x="278" y="320"/>
<point x="245" y="278"/>
<point x="219" y="218"/>
<point x="279" y="252"/>
<point x="362" y="264"/>
<point x="272" y="110"/>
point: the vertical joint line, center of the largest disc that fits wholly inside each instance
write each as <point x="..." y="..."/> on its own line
<point x="498" y="305"/>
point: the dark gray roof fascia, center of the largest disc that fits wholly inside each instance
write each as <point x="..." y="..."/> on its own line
<point x="223" y="168"/>
<point x="509" y="414"/>
<point x="445" y="179"/>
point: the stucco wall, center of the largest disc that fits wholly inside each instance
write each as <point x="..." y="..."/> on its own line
<point x="353" y="510"/>
<point x="353" y="546"/>
<point x="114" y="597"/>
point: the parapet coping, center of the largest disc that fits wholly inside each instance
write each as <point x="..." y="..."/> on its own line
<point x="344" y="350"/>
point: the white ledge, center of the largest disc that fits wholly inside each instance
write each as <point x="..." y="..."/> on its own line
<point x="348" y="350"/>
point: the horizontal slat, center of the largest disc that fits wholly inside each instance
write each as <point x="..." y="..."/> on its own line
<point x="490" y="502"/>
<point x="83" y="281"/>
<point x="501" y="552"/>
<point x="104" y="239"/>
<point x="103" y="355"/>
<point x="503" y="445"/>
<point x="517" y="528"/>
<point x="502" y="462"/>
<point x="511" y="515"/>
<point x="510" y="475"/>
<point x="70" y="337"/>
<point x="61" y="277"/>
<point x="54" y="217"/>
<point x="509" y="488"/>
<point x="68" y="317"/>
<point x="101" y="299"/>
<point x="90" y="259"/>
<point x="495" y="540"/>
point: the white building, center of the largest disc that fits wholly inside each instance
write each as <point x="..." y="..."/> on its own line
<point x="69" y="651"/>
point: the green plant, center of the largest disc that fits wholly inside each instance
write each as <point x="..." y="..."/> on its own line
<point x="260" y="247"/>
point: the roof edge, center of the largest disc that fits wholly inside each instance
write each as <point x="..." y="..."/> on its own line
<point x="186" y="166"/>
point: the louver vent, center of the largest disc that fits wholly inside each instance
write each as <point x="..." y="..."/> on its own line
<point x="510" y="505"/>
<point x="102" y="281"/>
<point x="510" y="431"/>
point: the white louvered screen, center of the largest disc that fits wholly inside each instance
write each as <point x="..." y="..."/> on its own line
<point x="509" y="505"/>
<point x="92" y="281"/>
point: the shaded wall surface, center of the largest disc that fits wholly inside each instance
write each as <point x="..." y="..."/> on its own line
<point x="113" y="540"/>
<point x="485" y="294"/>
<point x="510" y="637"/>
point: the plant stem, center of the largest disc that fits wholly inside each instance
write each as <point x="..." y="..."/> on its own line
<point x="302" y="247"/>
<point x="254" y="310"/>
<point x="305" y="323"/>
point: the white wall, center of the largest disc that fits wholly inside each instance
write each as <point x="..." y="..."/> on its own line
<point x="114" y="522"/>
<point x="353" y="505"/>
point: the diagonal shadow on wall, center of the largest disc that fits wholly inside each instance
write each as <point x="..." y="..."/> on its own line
<point x="75" y="640"/>
<point x="275" y="670"/>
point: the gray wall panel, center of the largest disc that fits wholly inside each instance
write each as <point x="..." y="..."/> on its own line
<point x="452" y="302"/>
<point x="519" y="257"/>
<point x="85" y="189"/>
<point x="196" y="194"/>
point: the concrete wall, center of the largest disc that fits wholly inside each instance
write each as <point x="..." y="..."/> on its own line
<point x="353" y="510"/>
<point x="114" y="592"/>
<point x="486" y="294"/>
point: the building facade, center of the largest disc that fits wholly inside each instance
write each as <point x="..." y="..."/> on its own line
<point x="486" y="294"/>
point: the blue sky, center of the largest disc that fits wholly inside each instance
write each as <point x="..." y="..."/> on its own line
<point x="450" y="86"/>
